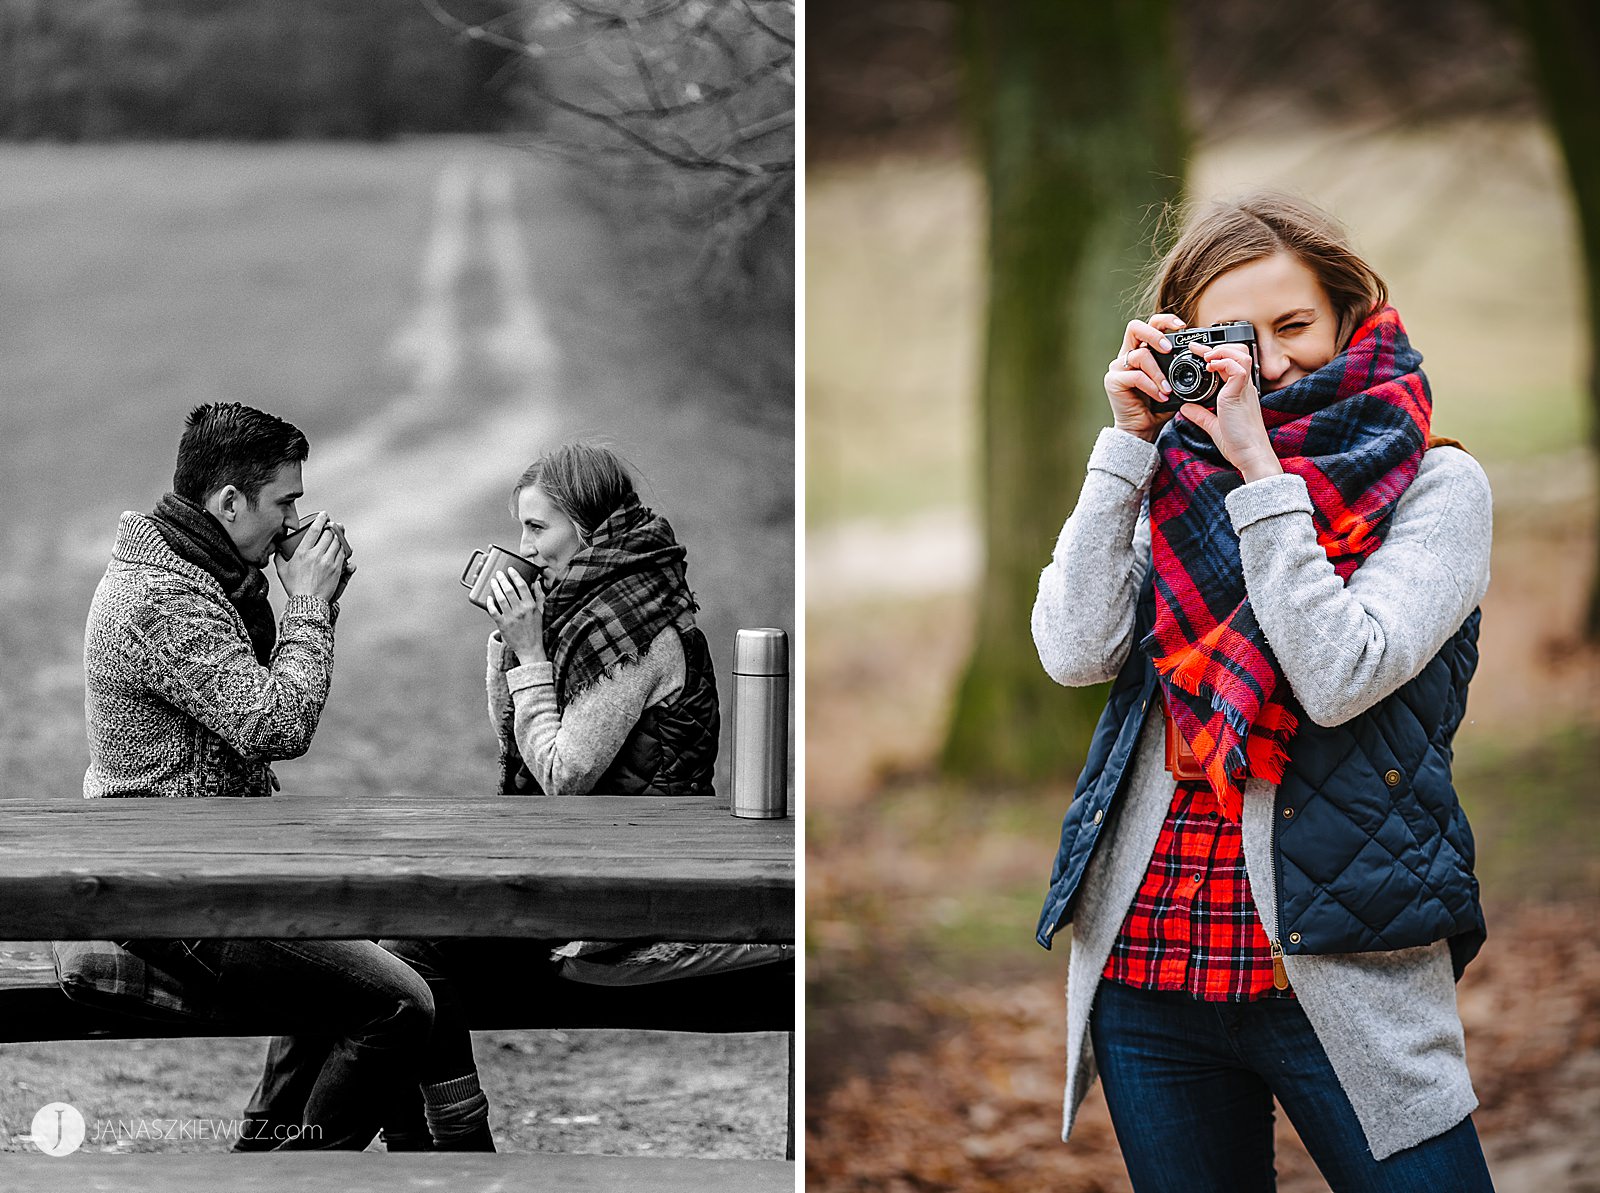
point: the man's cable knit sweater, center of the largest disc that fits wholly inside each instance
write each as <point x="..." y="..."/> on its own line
<point x="175" y="701"/>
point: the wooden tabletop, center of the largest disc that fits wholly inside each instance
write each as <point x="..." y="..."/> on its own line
<point x="334" y="865"/>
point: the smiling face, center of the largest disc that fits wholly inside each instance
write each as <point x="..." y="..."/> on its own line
<point x="1297" y="331"/>
<point x="549" y="538"/>
<point x="255" y="526"/>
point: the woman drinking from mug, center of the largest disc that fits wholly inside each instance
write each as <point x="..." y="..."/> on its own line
<point x="1267" y="873"/>
<point x="598" y="681"/>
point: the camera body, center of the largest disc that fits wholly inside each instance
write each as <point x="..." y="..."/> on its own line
<point x="1186" y="372"/>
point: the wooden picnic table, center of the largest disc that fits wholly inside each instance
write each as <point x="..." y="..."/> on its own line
<point x="339" y="865"/>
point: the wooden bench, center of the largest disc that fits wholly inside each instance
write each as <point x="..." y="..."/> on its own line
<point x="33" y="1007"/>
<point x="339" y="866"/>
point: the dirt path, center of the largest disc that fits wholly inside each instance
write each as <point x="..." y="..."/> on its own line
<point x="551" y="344"/>
<point x="529" y="327"/>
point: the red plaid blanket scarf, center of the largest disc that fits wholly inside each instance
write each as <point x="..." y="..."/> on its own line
<point x="1355" y="430"/>
<point x="619" y="592"/>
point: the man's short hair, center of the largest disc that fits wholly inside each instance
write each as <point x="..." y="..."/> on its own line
<point x="226" y="443"/>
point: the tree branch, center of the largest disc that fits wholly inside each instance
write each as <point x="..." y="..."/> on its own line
<point x="713" y="94"/>
<point x="608" y="120"/>
<point x="757" y="19"/>
<point x="618" y="18"/>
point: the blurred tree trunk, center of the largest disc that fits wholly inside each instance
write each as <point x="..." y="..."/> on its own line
<point x="1564" y="36"/>
<point x="1076" y="114"/>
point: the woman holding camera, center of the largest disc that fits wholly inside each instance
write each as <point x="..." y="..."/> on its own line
<point x="1267" y="873"/>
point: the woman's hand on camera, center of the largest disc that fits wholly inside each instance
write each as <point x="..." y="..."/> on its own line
<point x="1134" y="379"/>
<point x="518" y="611"/>
<point x="1236" y="426"/>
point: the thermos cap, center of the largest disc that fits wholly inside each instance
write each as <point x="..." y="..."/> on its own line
<point x="761" y="652"/>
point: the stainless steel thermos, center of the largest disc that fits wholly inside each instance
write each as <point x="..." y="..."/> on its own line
<point x="761" y="724"/>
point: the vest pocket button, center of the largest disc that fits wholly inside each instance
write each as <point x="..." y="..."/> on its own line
<point x="1288" y="813"/>
<point x="1294" y="938"/>
<point x="1392" y="778"/>
<point x="1099" y="815"/>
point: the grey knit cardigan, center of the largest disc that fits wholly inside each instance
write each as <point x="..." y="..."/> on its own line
<point x="1386" y="1020"/>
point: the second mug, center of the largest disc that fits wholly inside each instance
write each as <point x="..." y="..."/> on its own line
<point x="290" y="543"/>
<point x="483" y="565"/>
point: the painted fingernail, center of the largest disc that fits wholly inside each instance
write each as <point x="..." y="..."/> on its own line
<point x="1166" y="388"/>
<point x="1166" y="344"/>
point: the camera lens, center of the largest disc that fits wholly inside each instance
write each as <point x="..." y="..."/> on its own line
<point x="1188" y="377"/>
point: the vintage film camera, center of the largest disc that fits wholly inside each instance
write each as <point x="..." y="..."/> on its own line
<point x="1186" y="372"/>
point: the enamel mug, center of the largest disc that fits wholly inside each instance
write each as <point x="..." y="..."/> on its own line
<point x="483" y="565"/>
<point x="290" y="543"/>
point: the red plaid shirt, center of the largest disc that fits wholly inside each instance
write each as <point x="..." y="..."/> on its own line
<point x="1193" y="926"/>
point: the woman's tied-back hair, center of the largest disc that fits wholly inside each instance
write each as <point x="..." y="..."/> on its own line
<point x="585" y="481"/>
<point x="226" y="443"/>
<point x="1235" y="232"/>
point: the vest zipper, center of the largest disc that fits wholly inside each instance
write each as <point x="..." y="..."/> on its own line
<point x="1280" y="975"/>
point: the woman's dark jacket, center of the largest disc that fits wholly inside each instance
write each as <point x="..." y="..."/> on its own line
<point x="1371" y="850"/>
<point x="673" y="748"/>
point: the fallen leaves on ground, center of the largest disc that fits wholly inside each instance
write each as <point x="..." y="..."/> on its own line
<point x="979" y="1108"/>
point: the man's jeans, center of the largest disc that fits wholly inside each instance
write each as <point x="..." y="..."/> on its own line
<point x="372" y="1013"/>
<point x="1190" y="1086"/>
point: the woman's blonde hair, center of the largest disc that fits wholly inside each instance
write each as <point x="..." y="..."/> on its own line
<point x="1235" y="232"/>
<point x="586" y="481"/>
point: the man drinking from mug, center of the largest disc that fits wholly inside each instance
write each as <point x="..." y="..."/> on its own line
<point x="193" y="689"/>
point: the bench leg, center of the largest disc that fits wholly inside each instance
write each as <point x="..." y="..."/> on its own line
<point x="788" y="1148"/>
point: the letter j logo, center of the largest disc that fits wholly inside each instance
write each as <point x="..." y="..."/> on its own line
<point x="58" y="1129"/>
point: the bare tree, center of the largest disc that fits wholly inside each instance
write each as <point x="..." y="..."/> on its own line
<point x="1564" y="35"/>
<point x="1077" y="111"/>
<point x="697" y="95"/>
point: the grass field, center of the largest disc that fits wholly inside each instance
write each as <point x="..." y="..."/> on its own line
<point x="431" y="313"/>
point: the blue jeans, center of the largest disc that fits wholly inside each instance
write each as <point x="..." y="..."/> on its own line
<point x="370" y="1015"/>
<point x="1190" y="1086"/>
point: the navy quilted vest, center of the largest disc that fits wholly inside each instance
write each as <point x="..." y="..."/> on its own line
<point x="673" y="748"/>
<point x="1371" y="849"/>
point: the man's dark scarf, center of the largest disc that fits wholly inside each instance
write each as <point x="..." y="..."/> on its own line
<point x="1355" y="430"/>
<point x="198" y="538"/>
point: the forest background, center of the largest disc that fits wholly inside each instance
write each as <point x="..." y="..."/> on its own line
<point x="935" y="1024"/>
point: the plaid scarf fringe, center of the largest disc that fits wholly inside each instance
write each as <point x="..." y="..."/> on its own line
<point x="1355" y="430"/>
